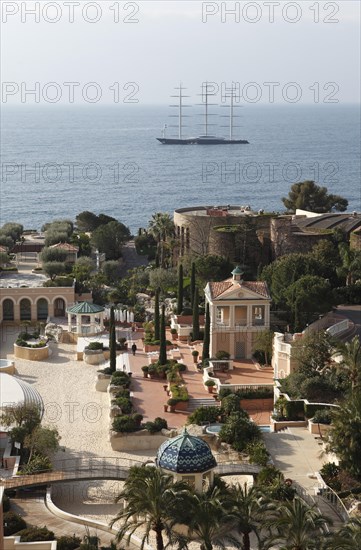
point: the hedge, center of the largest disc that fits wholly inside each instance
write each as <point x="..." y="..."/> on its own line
<point x="311" y="408"/>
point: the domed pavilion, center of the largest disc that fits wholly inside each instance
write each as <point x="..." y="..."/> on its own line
<point x="188" y="458"/>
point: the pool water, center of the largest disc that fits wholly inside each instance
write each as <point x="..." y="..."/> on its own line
<point x="265" y="429"/>
<point x="214" y="428"/>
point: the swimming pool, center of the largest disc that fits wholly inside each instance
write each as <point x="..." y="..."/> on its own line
<point x="265" y="429"/>
<point x="214" y="428"/>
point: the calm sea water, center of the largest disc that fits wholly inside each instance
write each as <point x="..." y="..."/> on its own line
<point x="58" y="161"/>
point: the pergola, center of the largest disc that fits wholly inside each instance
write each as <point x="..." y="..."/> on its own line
<point x="89" y="318"/>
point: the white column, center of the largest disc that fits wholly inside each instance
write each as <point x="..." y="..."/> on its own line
<point x="249" y="315"/>
<point x="267" y="316"/>
<point x="231" y="316"/>
<point x="78" y="323"/>
<point x="69" y="322"/>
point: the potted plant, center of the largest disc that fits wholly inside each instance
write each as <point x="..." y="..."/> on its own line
<point x="210" y="384"/>
<point x="145" y="370"/>
<point x="195" y="354"/>
<point x="174" y="333"/>
<point x="172" y="403"/>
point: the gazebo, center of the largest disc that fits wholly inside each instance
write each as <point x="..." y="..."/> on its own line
<point x="85" y="319"/>
<point x="188" y="458"/>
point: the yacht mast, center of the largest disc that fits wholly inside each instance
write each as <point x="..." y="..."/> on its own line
<point x="180" y="105"/>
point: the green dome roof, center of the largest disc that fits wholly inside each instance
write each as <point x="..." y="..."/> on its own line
<point x="186" y="454"/>
<point x="237" y="271"/>
<point x="84" y="308"/>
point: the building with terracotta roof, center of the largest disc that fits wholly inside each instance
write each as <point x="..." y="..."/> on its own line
<point x="239" y="310"/>
<point x="70" y="249"/>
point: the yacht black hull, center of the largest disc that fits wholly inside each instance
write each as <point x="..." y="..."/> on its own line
<point x="202" y="141"/>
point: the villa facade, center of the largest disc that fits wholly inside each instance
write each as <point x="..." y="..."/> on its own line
<point x="239" y="310"/>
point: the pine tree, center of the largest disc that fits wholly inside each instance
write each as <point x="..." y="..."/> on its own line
<point x="193" y="281"/>
<point x="195" y="315"/>
<point x="207" y="334"/>
<point x="112" y="341"/>
<point x="163" y="343"/>
<point x="156" y="316"/>
<point x="180" y="290"/>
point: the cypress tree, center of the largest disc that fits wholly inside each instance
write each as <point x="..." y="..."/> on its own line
<point x="163" y="343"/>
<point x="195" y="315"/>
<point x="207" y="334"/>
<point x="156" y="316"/>
<point x="112" y="342"/>
<point x="180" y="290"/>
<point x="193" y="281"/>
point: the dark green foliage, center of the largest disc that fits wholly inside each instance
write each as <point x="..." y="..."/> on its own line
<point x="54" y="269"/>
<point x="112" y="270"/>
<point x="307" y="296"/>
<point x="36" y="465"/>
<point x="127" y="423"/>
<point x="258" y="453"/>
<point x="180" y="290"/>
<point x="239" y="431"/>
<point x="158" y="425"/>
<point x="311" y="409"/>
<point x="213" y="268"/>
<point x="112" y="342"/>
<point x="68" y="543"/>
<point x="207" y="334"/>
<point x="156" y="316"/>
<point x="13" y="523"/>
<point x="53" y="255"/>
<point x="221" y="354"/>
<point x="193" y="282"/>
<point x="162" y="344"/>
<point x="195" y="321"/>
<point x="110" y="238"/>
<point x="124" y="404"/>
<point x="309" y="196"/>
<point x="120" y="378"/>
<point x="95" y="346"/>
<point x="231" y="404"/>
<point x="204" y="415"/>
<point x="345" y="433"/>
<point x="330" y="472"/>
<point x="32" y="534"/>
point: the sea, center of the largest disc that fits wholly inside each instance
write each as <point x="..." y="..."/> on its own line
<point x="57" y="161"/>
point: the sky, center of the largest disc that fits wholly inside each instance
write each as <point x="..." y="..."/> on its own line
<point x="109" y="52"/>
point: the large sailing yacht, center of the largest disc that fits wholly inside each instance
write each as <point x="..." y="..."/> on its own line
<point x="206" y="138"/>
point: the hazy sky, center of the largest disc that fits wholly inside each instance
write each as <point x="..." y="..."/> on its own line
<point x="170" y="42"/>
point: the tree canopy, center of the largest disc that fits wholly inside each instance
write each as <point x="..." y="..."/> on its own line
<point x="307" y="195"/>
<point x="109" y="238"/>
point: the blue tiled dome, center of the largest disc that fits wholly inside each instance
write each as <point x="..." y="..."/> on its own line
<point x="186" y="454"/>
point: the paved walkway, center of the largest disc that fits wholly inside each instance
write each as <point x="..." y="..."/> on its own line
<point x="299" y="456"/>
<point x="33" y="509"/>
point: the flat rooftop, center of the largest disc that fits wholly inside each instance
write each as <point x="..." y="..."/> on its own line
<point x="222" y="210"/>
<point x="22" y="280"/>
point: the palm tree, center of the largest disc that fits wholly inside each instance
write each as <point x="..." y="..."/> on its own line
<point x="351" y="264"/>
<point x="296" y="526"/>
<point x="206" y="516"/>
<point x="161" y="226"/>
<point x="150" y="498"/>
<point x="347" y="538"/>
<point x="351" y="360"/>
<point x="344" y="437"/>
<point x="248" y="512"/>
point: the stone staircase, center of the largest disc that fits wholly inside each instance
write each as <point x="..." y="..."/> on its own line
<point x="195" y="403"/>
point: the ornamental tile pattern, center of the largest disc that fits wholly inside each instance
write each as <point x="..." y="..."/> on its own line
<point x="186" y="454"/>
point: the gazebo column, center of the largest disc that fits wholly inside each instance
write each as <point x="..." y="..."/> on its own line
<point x="92" y="324"/>
<point x="78" y="323"/>
<point x="101" y="321"/>
<point x="69" y="322"/>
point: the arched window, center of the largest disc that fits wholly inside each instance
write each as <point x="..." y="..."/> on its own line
<point x="8" y="310"/>
<point x="25" y="310"/>
<point x="42" y="309"/>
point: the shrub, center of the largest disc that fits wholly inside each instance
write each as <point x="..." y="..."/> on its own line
<point x="209" y="383"/>
<point x="180" y="367"/>
<point x="173" y="331"/>
<point x="258" y="453"/>
<point x="255" y="394"/>
<point x="37" y="464"/>
<point x="124" y="404"/>
<point x="224" y="392"/>
<point x="32" y="534"/>
<point x="204" y="415"/>
<point x="221" y="354"/>
<point x="269" y="475"/>
<point x="127" y="423"/>
<point x="330" y="472"/>
<point x="122" y="393"/>
<point x="179" y="393"/>
<point x="231" y="403"/>
<point x="156" y="426"/>
<point x="95" y="346"/>
<point x="120" y="378"/>
<point x="239" y="431"/>
<point x="322" y="417"/>
<point x="195" y="353"/>
<point x="172" y="402"/>
<point x="13" y="523"/>
<point x="145" y="369"/>
<point x="68" y="543"/>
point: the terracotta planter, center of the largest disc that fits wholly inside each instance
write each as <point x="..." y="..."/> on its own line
<point x="165" y="408"/>
<point x="210" y="389"/>
<point x="195" y="358"/>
